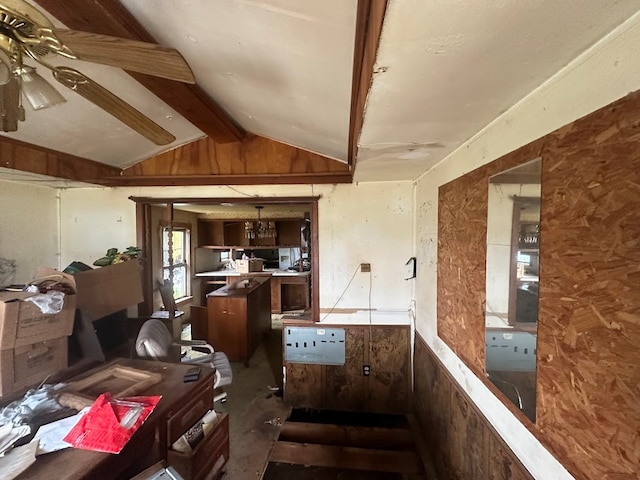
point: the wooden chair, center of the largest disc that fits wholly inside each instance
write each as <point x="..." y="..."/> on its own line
<point x="169" y="310"/>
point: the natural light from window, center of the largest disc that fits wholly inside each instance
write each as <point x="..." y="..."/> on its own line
<point x="180" y="253"/>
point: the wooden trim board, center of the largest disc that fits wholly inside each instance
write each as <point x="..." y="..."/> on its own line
<point x="137" y="381"/>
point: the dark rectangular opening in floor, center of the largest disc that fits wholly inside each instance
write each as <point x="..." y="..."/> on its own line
<point x="323" y="444"/>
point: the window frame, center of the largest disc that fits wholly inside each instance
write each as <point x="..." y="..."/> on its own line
<point x="185" y="265"/>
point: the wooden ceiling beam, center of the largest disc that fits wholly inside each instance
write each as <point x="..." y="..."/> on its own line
<point x="201" y="180"/>
<point x="369" y="20"/>
<point x="18" y="155"/>
<point x="109" y="17"/>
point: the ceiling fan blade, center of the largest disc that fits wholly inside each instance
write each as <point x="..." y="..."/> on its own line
<point x="103" y="98"/>
<point x="10" y="109"/>
<point x="142" y="57"/>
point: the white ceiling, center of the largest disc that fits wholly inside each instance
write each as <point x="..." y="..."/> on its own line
<point x="282" y="69"/>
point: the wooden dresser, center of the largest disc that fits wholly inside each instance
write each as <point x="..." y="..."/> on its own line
<point x="238" y="316"/>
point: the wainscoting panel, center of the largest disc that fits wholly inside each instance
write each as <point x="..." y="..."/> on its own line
<point x="463" y="444"/>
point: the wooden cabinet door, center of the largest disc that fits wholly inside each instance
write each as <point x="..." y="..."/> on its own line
<point x="288" y="232"/>
<point x="227" y="326"/>
<point x="210" y="233"/>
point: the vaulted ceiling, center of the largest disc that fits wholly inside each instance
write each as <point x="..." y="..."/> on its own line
<point x="299" y="92"/>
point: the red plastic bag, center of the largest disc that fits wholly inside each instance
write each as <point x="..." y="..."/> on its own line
<point x="110" y="423"/>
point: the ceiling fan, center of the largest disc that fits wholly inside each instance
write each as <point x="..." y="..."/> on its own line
<point x="27" y="33"/>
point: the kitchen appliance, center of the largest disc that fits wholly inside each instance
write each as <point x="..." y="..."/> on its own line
<point x="287" y="257"/>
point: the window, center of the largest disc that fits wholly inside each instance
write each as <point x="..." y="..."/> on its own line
<point x="181" y="246"/>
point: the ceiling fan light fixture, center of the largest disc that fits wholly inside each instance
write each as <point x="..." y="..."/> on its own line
<point x="38" y="92"/>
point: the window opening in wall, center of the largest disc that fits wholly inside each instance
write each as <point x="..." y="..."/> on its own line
<point x="180" y="248"/>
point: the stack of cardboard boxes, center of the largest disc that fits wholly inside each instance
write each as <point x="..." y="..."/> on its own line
<point x="33" y="345"/>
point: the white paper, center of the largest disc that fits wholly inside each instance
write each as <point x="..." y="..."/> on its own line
<point x="17" y="460"/>
<point x="50" y="435"/>
<point x="9" y="434"/>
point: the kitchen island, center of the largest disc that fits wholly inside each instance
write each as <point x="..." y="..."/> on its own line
<point x="290" y="290"/>
<point x="238" y="316"/>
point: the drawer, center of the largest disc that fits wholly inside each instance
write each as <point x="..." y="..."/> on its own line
<point x="293" y="280"/>
<point x="215" y="468"/>
<point x="199" y="463"/>
<point x="187" y="416"/>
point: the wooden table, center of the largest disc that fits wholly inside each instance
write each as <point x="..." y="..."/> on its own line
<point x="181" y="406"/>
<point x="239" y="315"/>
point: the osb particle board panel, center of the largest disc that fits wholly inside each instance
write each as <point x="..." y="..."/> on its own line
<point x="462" y="251"/>
<point x="461" y="440"/>
<point x="589" y="329"/>
<point x="390" y="368"/>
<point x="303" y="385"/>
<point x="588" y="360"/>
<point x="344" y="387"/>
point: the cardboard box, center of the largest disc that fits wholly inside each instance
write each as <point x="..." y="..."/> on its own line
<point x="23" y="323"/>
<point x="106" y="290"/>
<point x="249" y="265"/>
<point x="28" y="365"/>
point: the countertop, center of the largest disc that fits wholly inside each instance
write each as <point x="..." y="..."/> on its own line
<point x="240" y="288"/>
<point x="274" y="272"/>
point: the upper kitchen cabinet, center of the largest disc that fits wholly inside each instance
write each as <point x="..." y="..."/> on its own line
<point x="289" y="232"/>
<point x="246" y="233"/>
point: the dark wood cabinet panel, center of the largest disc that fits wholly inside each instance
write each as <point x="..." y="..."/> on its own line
<point x="289" y="232"/>
<point x="231" y="233"/>
<point x="290" y="293"/>
<point x="210" y="232"/>
<point x="238" y="317"/>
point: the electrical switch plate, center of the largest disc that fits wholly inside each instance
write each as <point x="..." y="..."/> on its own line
<point x="366" y="370"/>
<point x="365" y="267"/>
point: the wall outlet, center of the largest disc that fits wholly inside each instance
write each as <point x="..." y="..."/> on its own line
<point x="366" y="370"/>
<point x="365" y="267"/>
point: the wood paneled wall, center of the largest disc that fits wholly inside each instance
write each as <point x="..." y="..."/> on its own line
<point x="462" y="443"/>
<point x="588" y="366"/>
<point x="343" y="387"/>
<point x="254" y="160"/>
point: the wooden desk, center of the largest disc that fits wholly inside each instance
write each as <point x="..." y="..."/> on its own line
<point x="182" y="404"/>
<point x="238" y="317"/>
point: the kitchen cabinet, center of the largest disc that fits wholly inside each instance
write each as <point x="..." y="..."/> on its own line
<point x="238" y="316"/>
<point x="290" y="293"/>
<point x="231" y="233"/>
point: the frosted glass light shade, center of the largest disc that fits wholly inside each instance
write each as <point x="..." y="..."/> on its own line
<point x="38" y="92"/>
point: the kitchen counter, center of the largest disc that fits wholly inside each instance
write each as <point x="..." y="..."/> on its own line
<point x="273" y="272"/>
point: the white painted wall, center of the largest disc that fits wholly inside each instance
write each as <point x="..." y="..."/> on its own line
<point x="28" y="230"/>
<point x="370" y="223"/>
<point x="605" y="73"/>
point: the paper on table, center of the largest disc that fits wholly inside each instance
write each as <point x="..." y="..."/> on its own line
<point x="17" y="460"/>
<point x="10" y="433"/>
<point x="50" y="436"/>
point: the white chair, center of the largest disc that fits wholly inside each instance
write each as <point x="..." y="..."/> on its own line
<point x="154" y="341"/>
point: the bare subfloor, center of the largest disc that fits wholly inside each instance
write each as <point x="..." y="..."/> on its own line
<point x="255" y="410"/>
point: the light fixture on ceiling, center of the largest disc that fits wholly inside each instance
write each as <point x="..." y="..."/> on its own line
<point x="27" y="32"/>
<point x="18" y="80"/>
<point x="259" y="228"/>
<point x="38" y="92"/>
